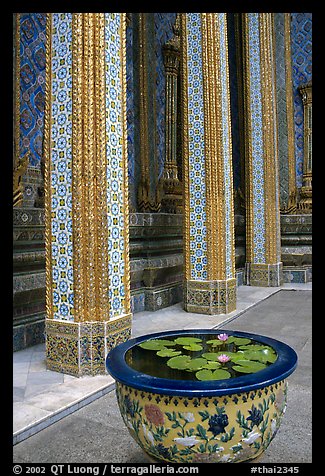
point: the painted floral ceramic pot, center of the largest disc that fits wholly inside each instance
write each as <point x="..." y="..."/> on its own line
<point x="204" y="395"/>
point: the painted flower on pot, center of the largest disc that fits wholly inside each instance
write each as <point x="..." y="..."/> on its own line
<point x="256" y="416"/>
<point x="187" y="441"/>
<point x="188" y="416"/>
<point x="217" y="423"/>
<point x="251" y="437"/>
<point x="154" y="414"/>
<point x="148" y="435"/>
<point x="129" y="406"/>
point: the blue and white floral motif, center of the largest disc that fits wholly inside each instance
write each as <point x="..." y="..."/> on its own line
<point x="115" y="166"/>
<point x="196" y="142"/>
<point x="256" y="139"/>
<point x="61" y="138"/>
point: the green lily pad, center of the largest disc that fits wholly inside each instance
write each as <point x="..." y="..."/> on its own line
<point x="210" y="365"/>
<point x="193" y="347"/>
<point x="218" y="374"/>
<point x="239" y="340"/>
<point x="151" y="345"/>
<point x="179" y="362"/>
<point x="248" y="366"/>
<point x="211" y="356"/>
<point x="187" y="340"/>
<point x="215" y="342"/>
<point x="196" y="364"/>
<point x="164" y="352"/>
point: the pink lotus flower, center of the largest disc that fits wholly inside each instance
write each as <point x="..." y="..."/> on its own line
<point x="223" y="358"/>
<point x="223" y="337"/>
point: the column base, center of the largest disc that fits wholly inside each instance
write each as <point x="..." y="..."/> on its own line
<point x="210" y="297"/>
<point x="266" y="275"/>
<point x="80" y="348"/>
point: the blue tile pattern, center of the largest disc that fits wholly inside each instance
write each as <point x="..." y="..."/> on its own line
<point x="61" y="164"/>
<point x="301" y="43"/>
<point x="198" y="231"/>
<point x="226" y="143"/>
<point x="32" y="84"/>
<point x="256" y="138"/>
<point x="115" y="180"/>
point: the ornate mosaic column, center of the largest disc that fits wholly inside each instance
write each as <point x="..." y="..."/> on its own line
<point x="173" y="195"/>
<point x="263" y="253"/>
<point x="305" y="202"/>
<point x="210" y="283"/>
<point x="87" y="263"/>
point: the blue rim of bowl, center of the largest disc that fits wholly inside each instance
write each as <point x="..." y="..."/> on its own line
<point x="276" y="372"/>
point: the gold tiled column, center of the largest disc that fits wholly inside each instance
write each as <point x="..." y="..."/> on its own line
<point x="87" y="259"/>
<point x="210" y="283"/>
<point x="263" y="246"/>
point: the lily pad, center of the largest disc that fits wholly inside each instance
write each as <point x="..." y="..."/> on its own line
<point x="196" y="364"/>
<point x="216" y="342"/>
<point x="151" y="345"/>
<point x="164" y="352"/>
<point x="261" y="356"/>
<point x="179" y="362"/>
<point x="239" y="340"/>
<point x="187" y="340"/>
<point x="248" y="366"/>
<point x="193" y="347"/>
<point x="211" y="356"/>
<point x="218" y="374"/>
<point x="210" y="365"/>
<point x="255" y="347"/>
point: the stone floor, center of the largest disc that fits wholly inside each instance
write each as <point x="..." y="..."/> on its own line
<point x="43" y="397"/>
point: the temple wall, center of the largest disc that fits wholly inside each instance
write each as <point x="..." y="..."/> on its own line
<point x="156" y="238"/>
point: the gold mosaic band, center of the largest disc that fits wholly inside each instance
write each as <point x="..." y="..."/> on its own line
<point x="48" y="165"/>
<point x="89" y="169"/>
<point x="185" y="148"/>
<point x="210" y="297"/>
<point x="17" y="90"/>
<point x="144" y="185"/>
<point x="80" y="348"/>
<point x="271" y="197"/>
<point x="127" y="275"/>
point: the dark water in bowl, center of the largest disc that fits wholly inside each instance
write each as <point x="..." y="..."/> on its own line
<point x="149" y="363"/>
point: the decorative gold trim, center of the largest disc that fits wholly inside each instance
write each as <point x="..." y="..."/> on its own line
<point x="144" y="185"/>
<point x="17" y="91"/>
<point x="18" y="172"/>
<point x="240" y="96"/>
<point x="292" y="186"/>
<point x="185" y="147"/>
<point x="248" y="142"/>
<point x="125" y="168"/>
<point x="305" y="200"/>
<point x="100" y="171"/>
<point x="269" y="136"/>
<point x="231" y="176"/>
<point x="78" y="205"/>
<point x="172" y="188"/>
<point x="211" y="168"/>
<point x="47" y="174"/>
